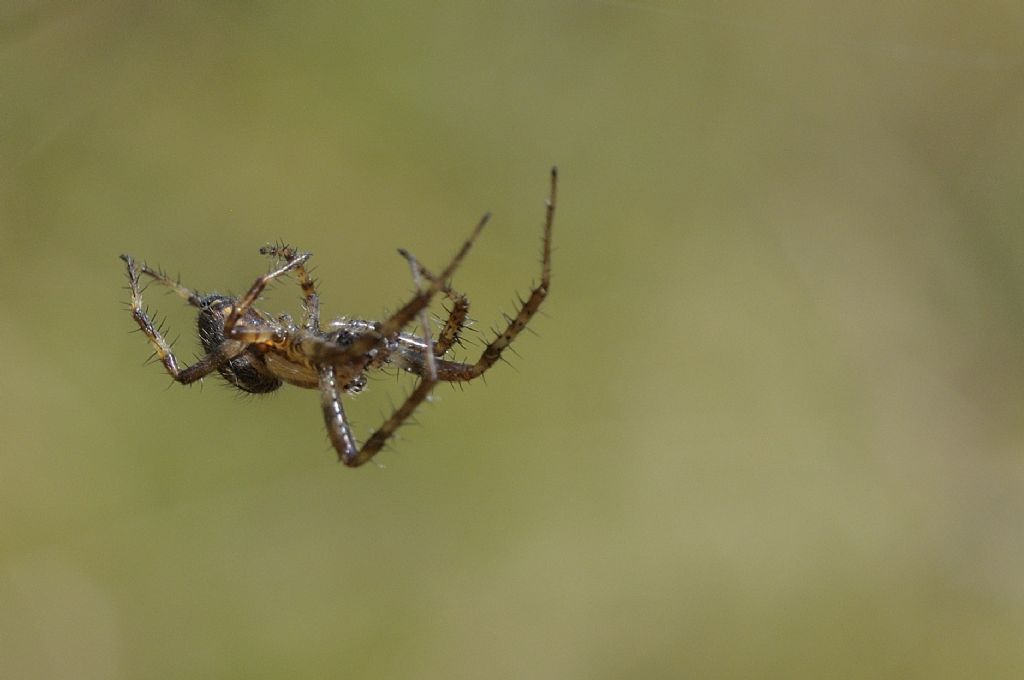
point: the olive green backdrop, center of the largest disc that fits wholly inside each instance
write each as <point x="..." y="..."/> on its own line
<point x="771" y="424"/>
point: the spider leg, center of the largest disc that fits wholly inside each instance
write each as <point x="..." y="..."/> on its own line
<point x="527" y="307"/>
<point x="349" y="452"/>
<point x="338" y="429"/>
<point x="211" y="362"/>
<point x="310" y="299"/>
<point x="189" y="295"/>
<point x="403" y="316"/>
<point x="334" y="414"/>
<point x="424" y="319"/>
<point x="356" y="354"/>
<point x="239" y="309"/>
<point x="453" y="371"/>
<point x="451" y="333"/>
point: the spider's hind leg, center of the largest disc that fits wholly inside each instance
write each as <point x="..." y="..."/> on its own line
<point x="187" y="294"/>
<point x="239" y="309"/>
<point x="224" y="353"/>
<point x="310" y="299"/>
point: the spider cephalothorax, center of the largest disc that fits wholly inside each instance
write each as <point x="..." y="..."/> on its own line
<point x="258" y="353"/>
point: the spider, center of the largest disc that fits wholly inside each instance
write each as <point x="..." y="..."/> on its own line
<point x="257" y="353"/>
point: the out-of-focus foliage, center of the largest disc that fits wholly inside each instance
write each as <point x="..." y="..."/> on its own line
<point x="773" y="423"/>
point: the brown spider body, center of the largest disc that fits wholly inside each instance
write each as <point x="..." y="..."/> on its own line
<point x="258" y="353"/>
<point x="275" y="351"/>
<point x="248" y="371"/>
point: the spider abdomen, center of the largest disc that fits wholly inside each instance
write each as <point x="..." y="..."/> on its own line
<point x="247" y="372"/>
<point x="250" y="374"/>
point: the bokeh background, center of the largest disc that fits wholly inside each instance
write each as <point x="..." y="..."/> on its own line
<point x="772" y="424"/>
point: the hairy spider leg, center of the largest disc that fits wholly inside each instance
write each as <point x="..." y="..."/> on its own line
<point x="453" y="371"/>
<point x="451" y="333"/>
<point x="203" y="366"/>
<point x="356" y="354"/>
<point x="239" y="309"/>
<point x="338" y="429"/>
<point x="349" y="452"/>
<point x="310" y="299"/>
<point x="428" y="343"/>
<point x="189" y="295"/>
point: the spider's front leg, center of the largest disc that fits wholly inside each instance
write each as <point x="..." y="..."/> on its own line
<point x="225" y="352"/>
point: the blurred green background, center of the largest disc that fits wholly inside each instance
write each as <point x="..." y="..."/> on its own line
<point x="771" y="425"/>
